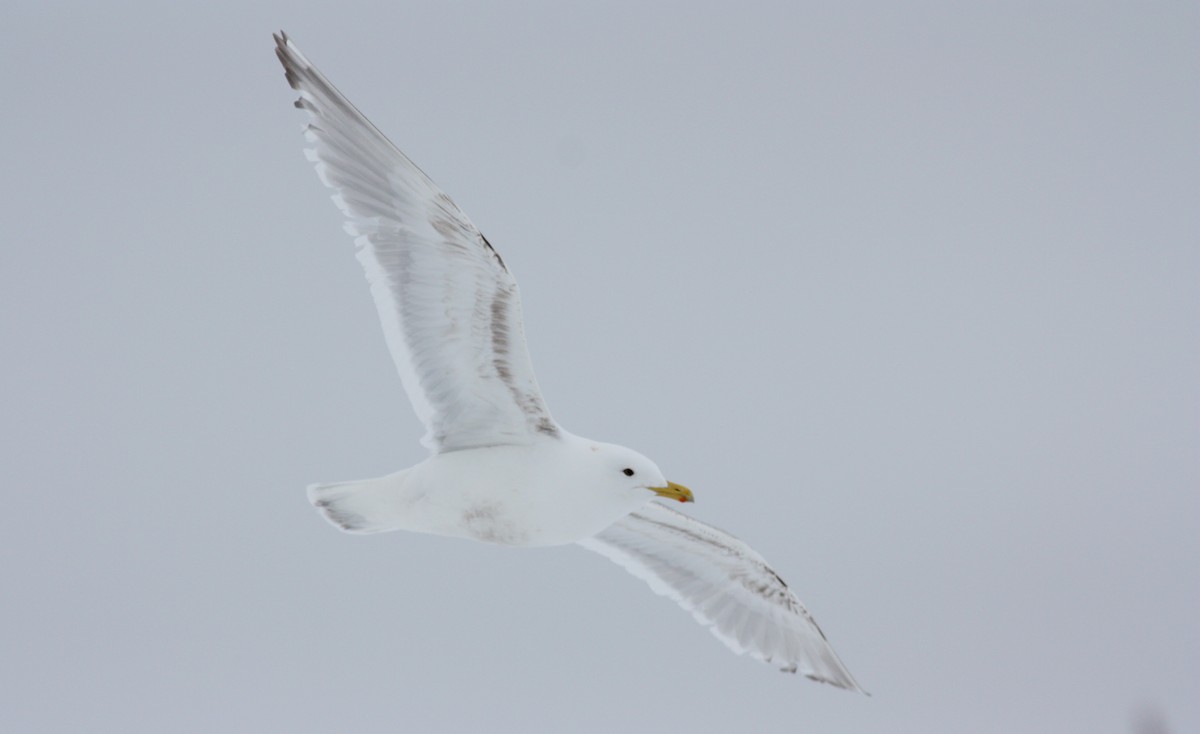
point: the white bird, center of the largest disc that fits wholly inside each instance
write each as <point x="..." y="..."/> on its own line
<point x="501" y="470"/>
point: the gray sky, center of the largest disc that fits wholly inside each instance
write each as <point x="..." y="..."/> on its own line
<point x="908" y="296"/>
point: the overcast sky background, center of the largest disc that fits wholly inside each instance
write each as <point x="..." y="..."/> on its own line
<point x="908" y="296"/>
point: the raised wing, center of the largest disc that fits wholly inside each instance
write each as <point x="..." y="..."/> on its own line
<point x="726" y="586"/>
<point x="450" y="309"/>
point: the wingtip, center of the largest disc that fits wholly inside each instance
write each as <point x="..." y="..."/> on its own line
<point x="849" y="684"/>
<point x="290" y="57"/>
<point x="845" y="681"/>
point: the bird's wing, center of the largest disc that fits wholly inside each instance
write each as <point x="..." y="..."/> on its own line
<point x="725" y="585"/>
<point x="450" y="309"/>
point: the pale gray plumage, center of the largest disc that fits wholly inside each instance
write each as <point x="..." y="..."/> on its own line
<point x="450" y="309"/>
<point x="502" y="470"/>
<point x="726" y="586"/>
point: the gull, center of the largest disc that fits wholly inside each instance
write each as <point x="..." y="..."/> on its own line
<point x="501" y="470"/>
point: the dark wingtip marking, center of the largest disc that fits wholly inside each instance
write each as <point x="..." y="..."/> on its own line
<point x="286" y="57"/>
<point x="494" y="253"/>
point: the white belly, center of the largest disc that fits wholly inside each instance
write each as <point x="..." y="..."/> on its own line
<point x="511" y="495"/>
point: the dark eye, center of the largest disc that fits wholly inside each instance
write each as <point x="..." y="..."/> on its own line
<point x="628" y="472"/>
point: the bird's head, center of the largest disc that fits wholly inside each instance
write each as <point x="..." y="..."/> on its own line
<point x="634" y="473"/>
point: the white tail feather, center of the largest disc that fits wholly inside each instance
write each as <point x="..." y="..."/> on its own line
<point x="361" y="507"/>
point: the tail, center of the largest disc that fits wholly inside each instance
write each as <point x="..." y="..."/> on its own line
<point x="366" y="506"/>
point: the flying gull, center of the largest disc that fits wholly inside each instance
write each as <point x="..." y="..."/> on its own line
<point x="501" y="469"/>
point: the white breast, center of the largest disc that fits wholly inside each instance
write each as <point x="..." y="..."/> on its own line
<point x="532" y="495"/>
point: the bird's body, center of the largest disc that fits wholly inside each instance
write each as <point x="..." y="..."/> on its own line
<point x="551" y="491"/>
<point x="501" y="469"/>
